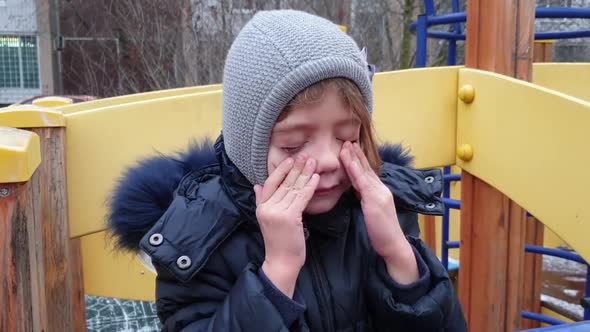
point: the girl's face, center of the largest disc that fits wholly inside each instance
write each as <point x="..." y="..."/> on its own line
<point x="317" y="131"/>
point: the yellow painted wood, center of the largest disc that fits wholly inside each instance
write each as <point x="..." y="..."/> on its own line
<point x="570" y="78"/>
<point x="20" y="154"/>
<point x="532" y="144"/>
<point x="113" y="274"/>
<point x="102" y="143"/>
<point x="31" y="116"/>
<point x="52" y="101"/>
<point x="417" y="107"/>
<point x="137" y="97"/>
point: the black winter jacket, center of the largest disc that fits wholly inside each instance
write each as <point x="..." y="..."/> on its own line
<point x="195" y="217"/>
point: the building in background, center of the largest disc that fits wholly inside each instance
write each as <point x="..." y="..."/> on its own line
<point x="28" y="61"/>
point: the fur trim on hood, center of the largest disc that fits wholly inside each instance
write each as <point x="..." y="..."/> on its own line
<point x="145" y="190"/>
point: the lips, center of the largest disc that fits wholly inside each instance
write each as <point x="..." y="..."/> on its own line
<point x="326" y="190"/>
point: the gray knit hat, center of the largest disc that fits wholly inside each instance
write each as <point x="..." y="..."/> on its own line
<point x="274" y="57"/>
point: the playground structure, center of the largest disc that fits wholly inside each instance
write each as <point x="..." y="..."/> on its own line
<point x="542" y="52"/>
<point x="510" y="137"/>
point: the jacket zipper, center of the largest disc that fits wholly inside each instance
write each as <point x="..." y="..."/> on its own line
<point x="322" y="290"/>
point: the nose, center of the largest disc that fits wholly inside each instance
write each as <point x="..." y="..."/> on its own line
<point x="327" y="157"/>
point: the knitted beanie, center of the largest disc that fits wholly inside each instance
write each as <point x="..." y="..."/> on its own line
<point x="274" y="57"/>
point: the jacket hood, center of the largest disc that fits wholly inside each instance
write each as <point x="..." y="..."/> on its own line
<point x="145" y="190"/>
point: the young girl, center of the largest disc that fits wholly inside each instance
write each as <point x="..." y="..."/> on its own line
<point x="291" y="221"/>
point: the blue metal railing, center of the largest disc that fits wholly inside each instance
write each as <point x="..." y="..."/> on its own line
<point x="457" y="17"/>
<point x="541" y="318"/>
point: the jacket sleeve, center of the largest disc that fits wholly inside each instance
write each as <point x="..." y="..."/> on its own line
<point x="429" y="304"/>
<point x="210" y="302"/>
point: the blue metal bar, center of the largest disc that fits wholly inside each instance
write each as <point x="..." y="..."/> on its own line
<point x="452" y="203"/>
<point x="541" y="318"/>
<point x="555" y="252"/>
<point x="562" y="34"/>
<point x="542" y="12"/>
<point x="456" y="7"/>
<point x="429" y="7"/>
<point x="587" y="310"/>
<point x="452" y="53"/>
<point x="421" y="41"/>
<point x="442" y="20"/>
<point x="446" y="220"/>
<point x="453" y="244"/>
<point x="538" y="35"/>
<point x="452" y="177"/>
<point x="562" y="12"/>
<point x="582" y="326"/>
<point x="446" y="35"/>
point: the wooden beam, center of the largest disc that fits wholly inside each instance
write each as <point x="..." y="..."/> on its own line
<point x="543" y="51"/>
<point x="62" y="265"/>
<point x="41" y="287"/>
<point x="499" y="39"/>
<point x="533" y="263"/>
<point x="533" y="267"/>
<point x="430" y="231"/>
<point x="21" y="262"/>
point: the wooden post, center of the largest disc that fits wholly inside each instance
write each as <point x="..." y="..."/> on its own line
<point x="533" y="263"/>
<point x="543" y="51"/>
<point x="430" y="231"/>
<point x="21" y="265"/>
<point x="533" y="268"/>
<point x="499" y="39"/>
<point x="65" y="304"/>
<point x="38" y="210"/>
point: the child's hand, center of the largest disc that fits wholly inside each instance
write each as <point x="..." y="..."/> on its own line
<point x="380" y="215"/>
<point x="279" y="210"/>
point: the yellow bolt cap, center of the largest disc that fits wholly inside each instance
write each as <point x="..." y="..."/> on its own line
<point x="465" y="152"/>
<point x="467" y="93"/>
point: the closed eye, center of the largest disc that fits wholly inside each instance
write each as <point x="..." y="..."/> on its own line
<point x="348" y="139"/>
<point x="292" y="149"/>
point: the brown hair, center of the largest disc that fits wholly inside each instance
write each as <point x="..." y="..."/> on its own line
<point x="354" y="100"/>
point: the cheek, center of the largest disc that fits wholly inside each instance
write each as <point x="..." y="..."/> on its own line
<point x="275" y="156"/>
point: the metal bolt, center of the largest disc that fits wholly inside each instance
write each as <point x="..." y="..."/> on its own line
<point x="465" y="152"/>
<point x="4" y="192"/>
<point x="467" y="93"/>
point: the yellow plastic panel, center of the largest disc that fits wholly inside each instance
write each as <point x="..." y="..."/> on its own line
<point x="52" y="101"/>
<point x="532" y="144"/>
<point x="31" y="116"/>
<point x="20" y="154"/>
<point x="111" y="274"/>
<point x="570" y="78"/>
<point x="102" y="143"/>
<point x="417" y="108"/>
<point x="105" y="102"/>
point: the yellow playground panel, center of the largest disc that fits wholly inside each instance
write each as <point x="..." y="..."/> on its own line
<point x="67" y="107"/>
<point x="531" y="160"/>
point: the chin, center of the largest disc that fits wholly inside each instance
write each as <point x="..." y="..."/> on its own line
<point x="319" y="205"/>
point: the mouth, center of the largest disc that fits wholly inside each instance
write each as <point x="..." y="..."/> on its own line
<point x="326" y="191"/>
